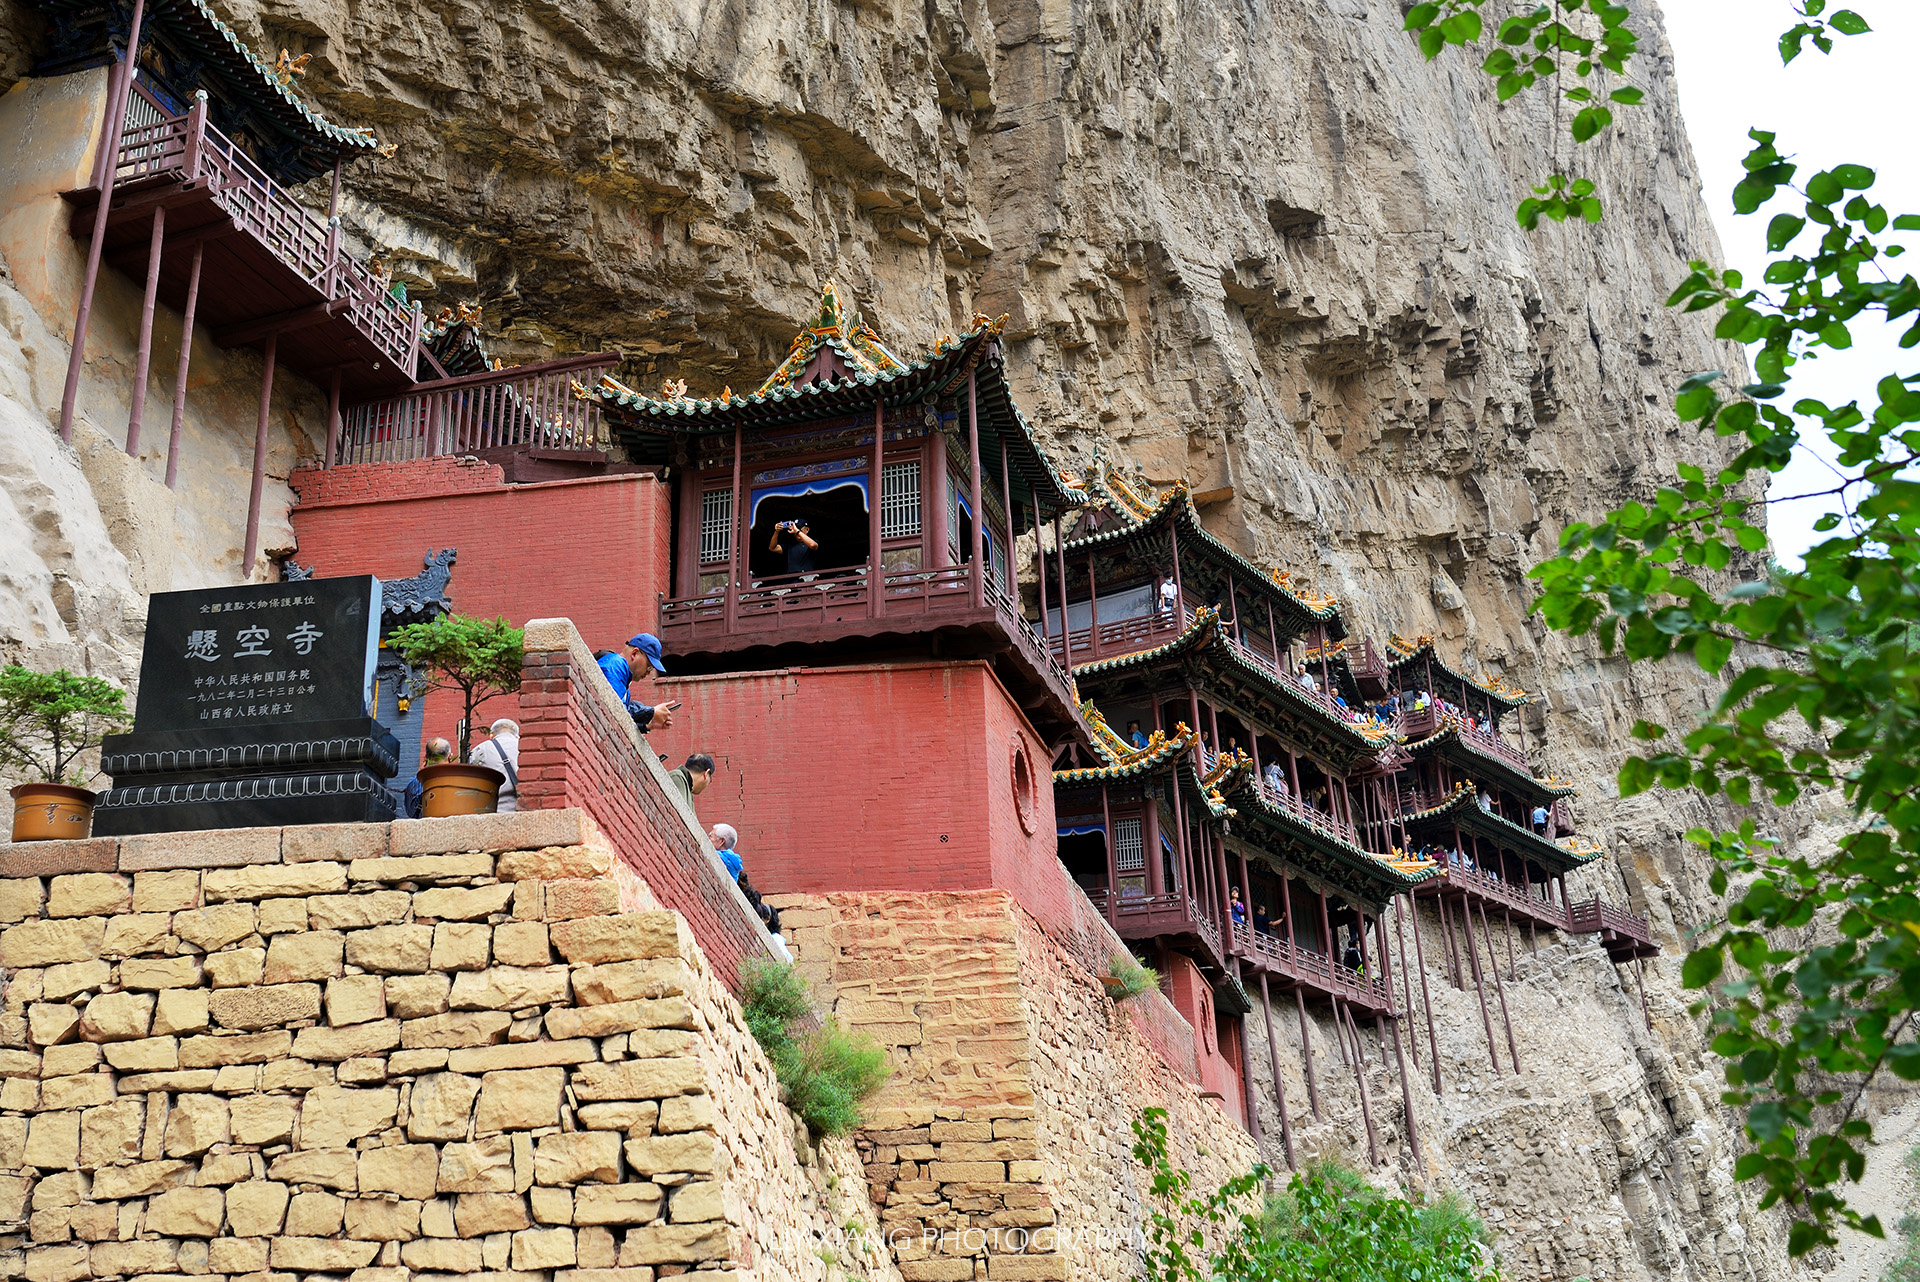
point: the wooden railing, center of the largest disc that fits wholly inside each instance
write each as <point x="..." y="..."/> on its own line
<point x="1290" y="804"/>
<point x="1596" y="916"/>
<point x="188" y="148"/>
<point x="1489" y="886"/>
<point x="1423" y="722"/>
<point x="531" y="405"/>
<point x="1172" y="913"/>
<point x="1317" y="969"/>
<point x="1120" y="636"/>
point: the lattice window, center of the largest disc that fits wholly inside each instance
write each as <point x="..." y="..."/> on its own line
<point x="716" y="525"/>
<point x="1129" y="852"/>
<point x="953" y="524"/>
<point x="900" y="500"/>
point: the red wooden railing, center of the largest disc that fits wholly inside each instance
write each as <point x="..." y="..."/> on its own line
<point x="531" y="405"/>
<point x="1295" y="807"/>
<point x="1310" y="967"/>
<point x="1595" y="916"/>
<point x="1170" y="913"/>
<point x="190" y="149"/>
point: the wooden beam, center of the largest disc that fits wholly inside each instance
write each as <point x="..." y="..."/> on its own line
<point x="280" y="323"/>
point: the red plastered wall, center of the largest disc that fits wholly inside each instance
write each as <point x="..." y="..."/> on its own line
<point x="1218" y="1057"/>
<point x="873" y="777"/>
<point x="594" y="551"/>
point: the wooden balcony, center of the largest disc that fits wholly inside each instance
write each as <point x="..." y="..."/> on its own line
<point x="1420" y="724"/>
<point x="1173" y="916"/>
<point x="1625" y="936"/>
<point x="268" y="264"/>
<point x="1282" y="959"/>
<point x="1495" y="892"/>
<point x="838" y="607"/>
<point x="528" y="407"/>
<point x="1294" y="807"/>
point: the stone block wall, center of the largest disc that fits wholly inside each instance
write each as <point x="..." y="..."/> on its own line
<point x="578" y="747"/>
<point x="1002" y="1147"/>
<point x="442" y="1048"/>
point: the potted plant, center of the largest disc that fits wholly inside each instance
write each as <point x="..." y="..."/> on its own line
<point x="481" y="659"/>
<point x="48" y="721"/>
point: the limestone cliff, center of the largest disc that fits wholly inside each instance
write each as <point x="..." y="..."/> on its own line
<point x="1264" y="247"/>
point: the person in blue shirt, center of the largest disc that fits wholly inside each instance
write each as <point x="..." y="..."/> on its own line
<point x="1134" y="736"/>
<point x="621" y="672"/>
<point x="724" y="838"/>
<point x="413" y="796"/>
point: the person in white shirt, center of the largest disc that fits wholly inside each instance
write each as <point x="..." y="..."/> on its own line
<point x="1169" y="597"/>
<point x="502" y="752"/>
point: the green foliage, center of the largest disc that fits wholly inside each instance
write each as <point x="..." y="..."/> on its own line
<point x="1135" y="977"/>
<point x="478" y="657"/>
<point x="828" y="1071"/>
<point x="1328" y="1226"/>
<point x="49" y="719"/>
<point x="1823" y="665"/>
<point x="1905" y="1267"/>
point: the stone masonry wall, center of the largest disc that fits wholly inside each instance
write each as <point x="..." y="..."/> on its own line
<point x="437" y="1048"/>
<point x="1001" y="1149"/>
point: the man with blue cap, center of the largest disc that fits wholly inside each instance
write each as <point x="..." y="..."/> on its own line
<point x="621" y="671"/>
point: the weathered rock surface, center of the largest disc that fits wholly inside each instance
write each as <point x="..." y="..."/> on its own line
<point x="1265" y="248"/>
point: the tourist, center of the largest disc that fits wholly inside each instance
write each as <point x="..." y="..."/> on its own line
<point x="799" y="552"/>
<point x="1353" y="959"/>
<point x="502" y="752"/>
<point x="1486" y="803"/>
<point x="1306" y="679"/>
<point x="1276" y="778"/>
<point x="1169" y="598"/>
<point x="724" y="838"/>
<point x="1262" y="923"/>
<point x="691" y="778"/>
<point x="1540" y="820"/>
<point x="1237" y="910"/>
<point x="622" y="670"/>
<point x="438" y="752"/>
<point x="1135" y="737"/>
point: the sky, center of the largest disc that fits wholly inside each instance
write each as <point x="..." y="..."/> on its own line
<point x="1854" y="104"/>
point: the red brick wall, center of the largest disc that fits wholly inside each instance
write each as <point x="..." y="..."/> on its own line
<point x="594" y="551"/>
<point x="575" y="751"/>
<point x="1218" y="1057"/>
<point x="873" y="777"/>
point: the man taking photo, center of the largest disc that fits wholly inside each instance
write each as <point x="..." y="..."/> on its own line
<point x="622" y="669"/>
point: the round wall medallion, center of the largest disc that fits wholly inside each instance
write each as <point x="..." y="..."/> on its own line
<point x="1026" y="801"/>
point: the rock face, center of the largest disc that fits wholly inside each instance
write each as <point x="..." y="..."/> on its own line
<point x="1266" y="248"/>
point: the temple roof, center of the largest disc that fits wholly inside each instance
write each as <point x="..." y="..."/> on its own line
<point x="862" y="373"/>
<point x="1204" y="635"/>
<point x="1388" y="873"/>
<point x="1462" y="807"/>
<point x="1123" y="760"/>
<point x="1405" y="656"/>
<point x="1450" y="732"/>
<point x="308" y="144"/>
<point x="1148" y="517"/>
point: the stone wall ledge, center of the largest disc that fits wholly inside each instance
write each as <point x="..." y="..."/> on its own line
<point x="309" y="843"/>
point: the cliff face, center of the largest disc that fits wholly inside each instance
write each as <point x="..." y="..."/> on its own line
<point x="1263" y="247"/>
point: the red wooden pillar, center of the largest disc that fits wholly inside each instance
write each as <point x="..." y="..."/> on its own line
<point x="1040" y="577"/>
<point x="1066" y="631"/>
<point x="738" y="553"/>
<point x="186" y="355"/>
<point x="876" y="576"/>
<point x="979" y="516"/>
<point x="1006" y="510"/>
<point x="1150" y="847"/>
<point x="934" y="511"/>
<point x="260" y="457"/>
<point x="143" y="348"/>
<point x="333" y="419"/>
<point x="1113" y="861"/>
<point x="1426" y="999"/>
<point x="1306" y="1058"/>
<point x="109" y="163"/>
<point x="1279" y="1086"/>
<point x="1093" y="610"/>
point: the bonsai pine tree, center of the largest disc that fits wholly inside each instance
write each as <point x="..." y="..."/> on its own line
<point x="478" y="657"/>
<point x="48" y="720"/>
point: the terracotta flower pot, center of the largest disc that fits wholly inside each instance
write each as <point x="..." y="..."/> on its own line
<point x="49" y="811"/>
<point x="458" y="789"/>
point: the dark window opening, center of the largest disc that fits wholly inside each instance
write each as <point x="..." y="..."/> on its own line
<point x="837" y="520"/>
<point x="1085" y="855"/>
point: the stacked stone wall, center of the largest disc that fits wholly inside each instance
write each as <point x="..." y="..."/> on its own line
<point x="1002" y="1147"/>
<point x="442" y="1048"/>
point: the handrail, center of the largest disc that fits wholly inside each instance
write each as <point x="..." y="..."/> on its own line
<point x="528" y="405"/>
<point x="1297" y="808"/>
<point x="1592" y="916"/>
<point x="194" y="151"/>
<point x="1305" y="963"/>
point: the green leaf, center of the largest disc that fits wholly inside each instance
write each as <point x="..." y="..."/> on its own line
<point x="1712" y="652"/>
<point x="1630" y="96"/>
<point x="1702" y="967"/>
<point x="1432" y="41"/>
<point x="1421" y="16"/>
<point x="1848" y="23"/>
<point x="1854" y="177"/>
<point x="1782" y="230"/>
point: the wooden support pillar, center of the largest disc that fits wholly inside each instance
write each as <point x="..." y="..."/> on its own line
<point x="1066" y="633"/>
<point x="1406" y="1088"/>
<point x="1113" y="864"/>
<point x="1640" y="978"/>
<point x="1426" y="999"/>
<point x="1150" y="847"/>
<point x="186" y="356"/>
<point x="111" y="131"/>
<point x="1279" y="1086"/>
<point x="1513" y="974"/>
<point x="1093" y="611"/>
<point x="1326" y="931"/>
<point x="1479" y="988"/>
<point x="738" y="554"/>
<point x="333" y="439"/>
<point x="1006" y="510"/>
<point x="1406" y="973"/>
<point x="1360" y="1076"/>
<point x="1501" y="989"/>
<point x="1248" y="1104"/>
<point x="143" y="347"/>
<point x="876" y="484"/>
<point x="259" y="457"/>
<point x="977" y="526"/>
<point x="934" y="503"/>
<point x="1040" y="576"/>
<point x="1446" y="925"/>
<point x="1306" y="1058"/>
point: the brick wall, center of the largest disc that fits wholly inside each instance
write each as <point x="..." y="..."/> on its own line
<point x="594" y="550"/>
<point x="578" y="747"/>
<point x="438" y="1047"/>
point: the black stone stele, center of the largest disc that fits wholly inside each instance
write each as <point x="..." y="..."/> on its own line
<point x="253" y="711"/>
